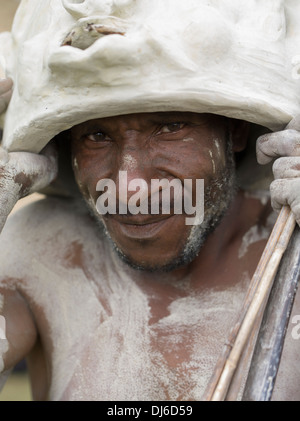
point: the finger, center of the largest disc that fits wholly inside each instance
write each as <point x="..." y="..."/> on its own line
<point x="286" y="192"/>
<point x="273" y="145"/>
<point x="47" y="172"/>
<point x="287" y="168"/>
<point x="50" y="151"/>
<point x="33" y="171"/>
<point x="49" y="167"/>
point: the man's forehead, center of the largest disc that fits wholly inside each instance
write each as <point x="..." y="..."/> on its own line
<point x="154" y="118"/>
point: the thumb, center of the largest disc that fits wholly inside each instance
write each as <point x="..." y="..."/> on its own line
<point x="34" y="171"/>
<point x="47" y="167"/>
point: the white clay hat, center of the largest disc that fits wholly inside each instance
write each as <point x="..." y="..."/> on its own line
<point x="76" y="60"/>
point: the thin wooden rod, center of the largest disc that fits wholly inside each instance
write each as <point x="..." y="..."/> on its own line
<point x="238" y="380"/>
<point x="267" y="253"/>
<point x="260" y="296"/>
<point x="267" y="354"/>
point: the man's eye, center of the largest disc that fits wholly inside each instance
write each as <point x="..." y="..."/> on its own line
<point x="98" y="137"/>
<point x="171" y="127"/>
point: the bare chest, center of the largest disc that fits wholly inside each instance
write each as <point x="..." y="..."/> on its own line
<point x="110" y="341"/>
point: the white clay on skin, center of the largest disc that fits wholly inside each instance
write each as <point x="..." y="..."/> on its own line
<point x="255" y="234"/>
<point x="75" y="164"/>
<point x="3" y="349"/>
<point x="129" y="163"/>
<point x="3" y="344"/>
<point x="37" y="169"/>
<point x="263" y="196"/>
<point x="100" y="317"/>
<point x="212" y="161"/>
<point x="286" y="145"/>
<point x="252" y="236"/>
<point x="217" y="147"/>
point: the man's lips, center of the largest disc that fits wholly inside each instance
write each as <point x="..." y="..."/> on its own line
<point x="138" y="219"/>
<point x="139" y="226"/>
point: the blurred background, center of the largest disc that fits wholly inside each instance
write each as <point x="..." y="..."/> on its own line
<point x="17" y="387"/>
<point x="7" y="11"/>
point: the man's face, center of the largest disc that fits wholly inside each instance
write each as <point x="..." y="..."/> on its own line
<point x="156" y="146"/>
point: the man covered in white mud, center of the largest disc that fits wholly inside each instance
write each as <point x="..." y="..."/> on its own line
<point x="128" y="305"/>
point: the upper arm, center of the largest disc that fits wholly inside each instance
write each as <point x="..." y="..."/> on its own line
<point x="20" y="330"/>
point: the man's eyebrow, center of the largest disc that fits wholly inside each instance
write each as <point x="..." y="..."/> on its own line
<point x="88" y="126"/>
<point x="173" y="117"/>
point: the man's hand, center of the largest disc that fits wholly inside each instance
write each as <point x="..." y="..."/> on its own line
<point x="22" y="173"/>
<point x="5" y="93"/>
<point x="285" y="146"/>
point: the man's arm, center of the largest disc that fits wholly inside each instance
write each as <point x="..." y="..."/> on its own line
<point x="18" y="333"/>
<point x="21" y="173"/>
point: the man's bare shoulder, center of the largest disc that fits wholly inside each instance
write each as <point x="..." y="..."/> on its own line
<point x="45" y="231"/>
<point x="44" y="218"/>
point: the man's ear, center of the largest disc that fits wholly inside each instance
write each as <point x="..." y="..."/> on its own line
<point x="239" y="131"/>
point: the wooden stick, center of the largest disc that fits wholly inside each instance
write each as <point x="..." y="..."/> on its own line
<point x="267" y="253"/>
<point x="260" y="296"/>
<point x="268" y="350"/>
<point x="239" y="377"/>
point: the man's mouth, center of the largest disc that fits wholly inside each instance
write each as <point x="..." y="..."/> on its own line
<point x="139" y="226"/>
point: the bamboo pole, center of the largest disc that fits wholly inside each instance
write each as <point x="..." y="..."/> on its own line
<point x="260" y="296"/>
<point x="239" y="377"/>
<point x="264" y="274"/>
<point x="256" y="298"/>
<point x="267" y="253"/>
<point x="267" y="354"/>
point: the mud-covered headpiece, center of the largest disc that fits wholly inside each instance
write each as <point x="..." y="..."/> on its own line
<point x="76" y="60"/>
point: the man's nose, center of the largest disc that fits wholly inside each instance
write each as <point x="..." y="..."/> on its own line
<point x="134" y="174"/>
